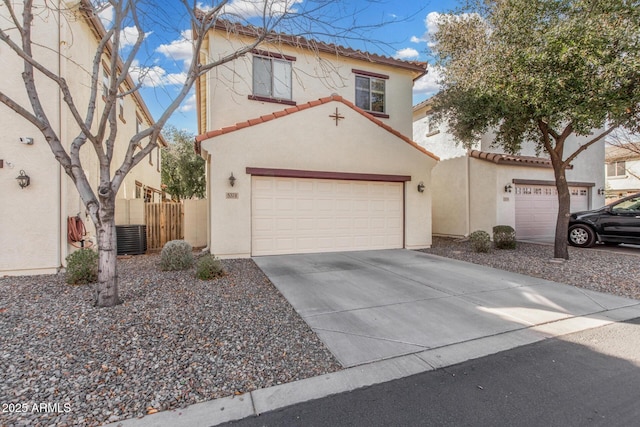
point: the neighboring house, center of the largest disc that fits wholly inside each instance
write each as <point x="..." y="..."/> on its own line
<point x="622" y="170"/>
<point x="33" y="229"/>
<point x="480" y="188"/>
<point x="306" y="149"/>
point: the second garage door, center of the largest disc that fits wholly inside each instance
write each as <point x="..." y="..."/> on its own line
<point x="537" y="209"/>
<point x="301" y="215"/>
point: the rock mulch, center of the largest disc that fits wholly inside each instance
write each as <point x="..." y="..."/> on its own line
<point x="175" y="341"/>
<point x="597" y="270"/>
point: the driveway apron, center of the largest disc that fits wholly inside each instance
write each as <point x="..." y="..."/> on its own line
<point x="373" y="305"/>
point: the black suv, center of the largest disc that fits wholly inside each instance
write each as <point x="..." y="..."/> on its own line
<point x="616" y="223"/>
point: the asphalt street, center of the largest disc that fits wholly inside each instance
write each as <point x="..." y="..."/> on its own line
<point x="590" y="378"/>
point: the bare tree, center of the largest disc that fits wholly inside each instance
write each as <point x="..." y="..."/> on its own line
<point x="97" y="124"/>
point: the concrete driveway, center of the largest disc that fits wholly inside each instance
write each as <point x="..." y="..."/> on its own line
<point x="373" y="305"/>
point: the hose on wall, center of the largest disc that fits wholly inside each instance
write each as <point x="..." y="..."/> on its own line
<point x="76" y="232"/>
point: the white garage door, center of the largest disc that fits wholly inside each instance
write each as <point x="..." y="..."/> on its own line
<point x="537" y="209"/>
<point x="300" y="215"/>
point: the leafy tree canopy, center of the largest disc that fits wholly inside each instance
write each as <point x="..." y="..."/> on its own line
<point x="523" y="66"/>
<point x="182" y="169"/>
<point x="541" y="71"/>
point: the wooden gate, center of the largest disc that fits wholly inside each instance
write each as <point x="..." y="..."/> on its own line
<point x="164" y="223"/>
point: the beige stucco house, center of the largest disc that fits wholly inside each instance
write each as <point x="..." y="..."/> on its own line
<point x="622" y="170"/>
<point x="33" y="220"/>
<point x="307" y="149"/>
<point x="483" y="187"/>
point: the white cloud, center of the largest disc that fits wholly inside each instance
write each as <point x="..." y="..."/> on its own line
<point x="428" y="84"/>
<point x="106" y="16"/>
<point x="257" y="8"/>
<point x="188" y="104"/>
<point x="180" y="49"/>
<point x="431" y="25"/>
<point x="406" y="53"/>
<point x="156" y="76"/>
<point x="129" y="35"/>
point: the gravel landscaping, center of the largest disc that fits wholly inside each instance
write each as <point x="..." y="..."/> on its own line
<point x="177" y="340"/>
<point x="174" y="341"/>
<point x="598" y="270"/>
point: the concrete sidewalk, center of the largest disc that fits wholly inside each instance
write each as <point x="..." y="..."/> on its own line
<point x="391" y="314"/>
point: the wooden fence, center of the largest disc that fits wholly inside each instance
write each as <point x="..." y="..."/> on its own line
<point x="164" y="223"/>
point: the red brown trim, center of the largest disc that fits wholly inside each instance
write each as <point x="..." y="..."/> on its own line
<point x="553" y="183"/>
<point x="380" y="115"/>
<point x="272" y="100"/>
<point x="348" y="176"/>
<point x="273" y="55"/>
<point x="369" y="74"/>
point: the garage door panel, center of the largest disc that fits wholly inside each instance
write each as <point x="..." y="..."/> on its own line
<point x="537" y="209"/>
<point x="299" y="215"/>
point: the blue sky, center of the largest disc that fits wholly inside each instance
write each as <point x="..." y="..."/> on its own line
<point x="167" y="45"/>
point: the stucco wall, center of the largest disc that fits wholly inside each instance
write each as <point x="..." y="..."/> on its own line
<point x="449" y="181"/>
<point x="33" y="232"/>
<point x="309" y="140"/>
<point x="490" y="205"/>
<point x="629" y="182"/>
<point x="438" y="141"/>
<point x="315" y="75"/>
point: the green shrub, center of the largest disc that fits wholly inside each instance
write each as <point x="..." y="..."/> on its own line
<point x="480" y="241"/>
<point x="176" y="255"/>
<point x="82" y="267"/>
<point x="504" y="237"/>
<point x="208" y="267"/>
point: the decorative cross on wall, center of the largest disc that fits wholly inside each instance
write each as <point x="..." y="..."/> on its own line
<point x="336" y="116"/>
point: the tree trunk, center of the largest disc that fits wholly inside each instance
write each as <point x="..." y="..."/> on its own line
<point x="561" y="249"/>
<point x="107" y="288"/>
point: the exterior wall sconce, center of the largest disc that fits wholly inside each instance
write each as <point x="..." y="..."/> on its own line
<point x="232" y="180"/>
<point x="508" y="188"/>
<point x="421" y="187"/>
<point x="600" y="191"/>
<point x="23" y="179"/>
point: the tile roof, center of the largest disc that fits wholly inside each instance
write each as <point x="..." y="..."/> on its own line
<point x="302" y="107"/>
<point x="627" y="151"/>
<point x="512" y="160"/>
<point x="316" y="45"/>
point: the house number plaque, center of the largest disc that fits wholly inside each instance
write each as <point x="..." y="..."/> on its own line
<point x="232" y="195"/>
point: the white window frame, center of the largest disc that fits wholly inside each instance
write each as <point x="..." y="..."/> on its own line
<point x="369" y="91"/>
<point x="283" y="81"/>
<point x="615" y="166"/>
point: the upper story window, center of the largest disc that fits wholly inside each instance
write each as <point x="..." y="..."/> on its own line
<point x="272" y="77"/>
<point x="616" y="169"/>
<point x="371" y="92"/>
<point x="121" y="106"/>
<point x="105" y="83"/>
<point x="432" y="126"/>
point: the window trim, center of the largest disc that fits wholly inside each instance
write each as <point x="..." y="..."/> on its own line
<point x="272" y="57"/>
<point x="121" y="106"/>
<point x="369" y="76"/>
<point x="615" y="165"/>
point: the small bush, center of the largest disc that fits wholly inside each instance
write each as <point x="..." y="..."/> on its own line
<point x="208" y="267"/>
<point x="504" y="237"/>
<point x="176" y="255"/>
<point x="82" y="267"/>
<point x="480" y="241"/>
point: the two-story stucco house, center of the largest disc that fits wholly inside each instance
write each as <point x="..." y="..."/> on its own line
<point x="307" y="149"/>
<point x="33" y="225"/>
<point x="622" y="170"/>
<point x="483" y="187"/>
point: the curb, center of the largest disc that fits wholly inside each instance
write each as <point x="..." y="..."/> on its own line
<point x="259" y="401"/>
